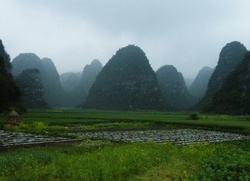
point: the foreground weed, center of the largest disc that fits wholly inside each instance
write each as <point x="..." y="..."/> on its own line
<point x="226" y="165"/>
<point x="103" y="160"/>
<point x="109" y="162"/>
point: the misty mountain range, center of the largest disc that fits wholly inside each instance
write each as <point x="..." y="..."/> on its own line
<point x="127" y="82"/>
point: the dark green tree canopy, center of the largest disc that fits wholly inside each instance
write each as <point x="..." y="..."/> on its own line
<point x="5" y="56"/>
<point x="9" y="93"/>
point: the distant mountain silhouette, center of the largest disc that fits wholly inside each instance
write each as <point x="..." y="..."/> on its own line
<point x="230" y="56"/>
<point x="77" y="95"/>
<point x="234" y="95"/>
<point x="25" y="61"/>
<point x="188" y="82"/>
<point x="70" y="80"/>
<point x="54" y="94"/>
<point x="174" y="88"/>
<point x="126" y="82"/>
<point x="30" y="82"/>
<point x="199" y="86"/>
<point x="89" y="75"/>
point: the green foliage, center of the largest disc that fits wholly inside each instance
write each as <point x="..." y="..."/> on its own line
<point x="101" y="160"/>
<point x="81" y="163"/>
<point x="39" y="127"/>
<point x="193" y="116"/>
<point x="104" y="160"/>
<point x="234" y="95"/>
<point x="225" y="163"/>
<point x="230" y="56"/>
<point x="93" y="119"/>
<point x="9" y="93"/>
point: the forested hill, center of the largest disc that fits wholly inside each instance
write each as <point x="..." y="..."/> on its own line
<point x="234" y="95"/>
<point x="230" y="55"/>
<point x="54" y="94"/>
<point x="174" y="88"/>
<point x="30" y="83"/>
<point x="128" y="82"/>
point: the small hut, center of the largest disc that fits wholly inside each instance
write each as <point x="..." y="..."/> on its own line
<point x="13" y="119"/>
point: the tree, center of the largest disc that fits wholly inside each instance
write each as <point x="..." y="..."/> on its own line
<point x="9" y="92"/>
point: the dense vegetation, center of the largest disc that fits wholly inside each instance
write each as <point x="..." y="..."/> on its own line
<point x="9" y="93"/>
<point x="234" y="95"/>
<point x="105" y="160"/>
<point x="95" y="160"/>
<point x="127" y="82"/>
<point x="230" y="55"/>
<point x="58" y="121"/>
<point x="30" y="83"/>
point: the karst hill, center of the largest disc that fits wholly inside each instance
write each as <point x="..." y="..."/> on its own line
<point x="50" y="78"/>
<point x="199" y="85"/>
<point x="30" y="83"/>
<point x="230" y="55"/>
<point x="174" y="88"/>
<point x="79" y="93"/>
<point x="126" y="82"/>
<point x="70" y="80"/>
<point x="234" y="95"/>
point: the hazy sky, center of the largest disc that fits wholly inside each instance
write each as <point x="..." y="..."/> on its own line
<point x="188" y="34"/>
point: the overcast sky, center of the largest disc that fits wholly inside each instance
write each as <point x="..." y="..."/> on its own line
<point x="188" y="34"/>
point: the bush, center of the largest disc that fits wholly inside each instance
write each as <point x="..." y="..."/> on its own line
<point x="193" y="116"/>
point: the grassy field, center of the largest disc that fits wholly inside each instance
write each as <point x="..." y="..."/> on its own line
<point x="93" y="119"/>
<point x="105" y="160"/>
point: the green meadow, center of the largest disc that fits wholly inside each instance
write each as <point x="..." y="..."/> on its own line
<point x="108" y="160"/>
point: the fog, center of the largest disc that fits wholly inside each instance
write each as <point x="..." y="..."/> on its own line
<point x="187" y="34"/>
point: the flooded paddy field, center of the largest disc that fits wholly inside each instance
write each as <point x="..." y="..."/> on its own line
<point x="9" y="138"/>
<point x="177" y="136"/>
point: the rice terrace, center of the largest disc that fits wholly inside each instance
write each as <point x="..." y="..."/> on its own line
<point x="75" y="144"/>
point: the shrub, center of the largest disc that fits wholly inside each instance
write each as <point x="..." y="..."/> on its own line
<point x="193" y="116"/>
